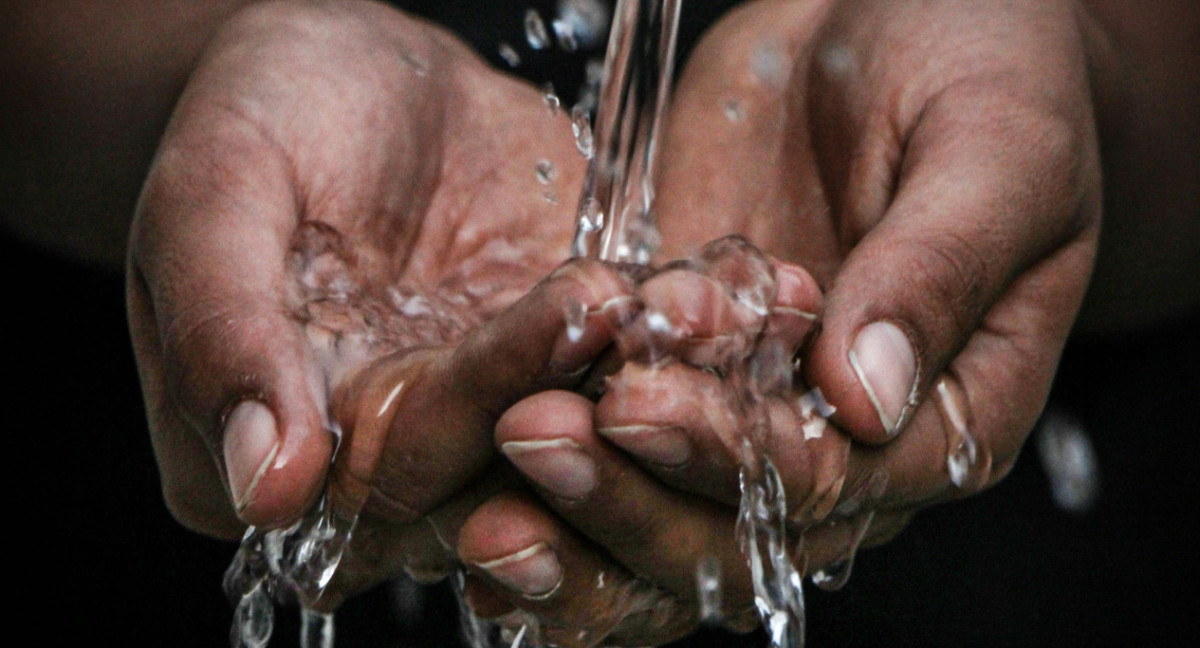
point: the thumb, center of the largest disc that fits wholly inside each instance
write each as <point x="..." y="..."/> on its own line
<point x="223" y="362"/>
<point x="989" y="187"/>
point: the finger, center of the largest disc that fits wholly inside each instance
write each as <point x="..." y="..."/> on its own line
<point x="827" y="550"/>
<point x="684" y="427"/>
<point x="793" y="315"/>
<point x="990" y="185"/>
<point x="657" y="532"/>
<point x="656" y="412"/>
<point x="691" y="317"/>
<point x="209" y="248"/>
<point x="193" y="487"/>
<point x="419" y="423"/>
<point x="381" y="547"/>
<point x="966" y="436"/>
<point x="528" y="557"/>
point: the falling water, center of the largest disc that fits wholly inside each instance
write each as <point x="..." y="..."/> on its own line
<point x="292" y="564"/>
<point x="615" y="217"/>
<point x="616" y="223"/>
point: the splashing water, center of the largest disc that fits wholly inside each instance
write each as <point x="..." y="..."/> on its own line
<point x="295" y="563"/>
<point x="616" y="223"/>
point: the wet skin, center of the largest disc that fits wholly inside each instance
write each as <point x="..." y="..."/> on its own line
<point x="934" y="170"/>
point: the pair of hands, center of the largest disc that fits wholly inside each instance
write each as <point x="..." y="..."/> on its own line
<point x="343" y="228"/>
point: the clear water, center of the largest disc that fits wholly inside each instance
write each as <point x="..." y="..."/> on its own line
<point x="618" y="189"/>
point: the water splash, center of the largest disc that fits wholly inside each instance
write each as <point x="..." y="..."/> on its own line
<point x="283" y="565"/>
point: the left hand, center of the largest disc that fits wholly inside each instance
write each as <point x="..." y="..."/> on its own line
<point x="935" y="168"/>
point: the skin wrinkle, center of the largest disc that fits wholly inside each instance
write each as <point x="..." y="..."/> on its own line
<point x="985" y="247"/>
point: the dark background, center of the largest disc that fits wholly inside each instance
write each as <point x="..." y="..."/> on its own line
<point x="94" y="547"/>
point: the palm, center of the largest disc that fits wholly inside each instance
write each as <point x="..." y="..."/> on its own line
<point x="343" y="195"/>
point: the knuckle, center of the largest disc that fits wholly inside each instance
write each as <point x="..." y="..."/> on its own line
<point x="588" y="282"/>
<point x="951" y="269"/>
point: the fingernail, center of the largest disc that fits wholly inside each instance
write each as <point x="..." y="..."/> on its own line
<point x="885" y="363"/>
<point x="665" y="446"/>
<point x="533" y="571"/>
<point x="250" y="445"/>
<point x="558" y="465"/>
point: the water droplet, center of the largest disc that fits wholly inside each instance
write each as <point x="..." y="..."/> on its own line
<point x="535" y="30"/>
<point x="553" y="103"/>
<point x="733" y="111"/>
<point x="1069" y="460"/>
<point x="814" y="401"/>
<point x="708" y="590"/>
<point x="834" y="576"/>
<point x="581" y="126"/>
<point x="545" y="171"/>
<point x="956" y="419"/>
<point x="659" y="323"/>
<point x="769" y="63"/>
<point x="815" y="410"/>
<point x="594" y="72"/>
<point x="591" y="217"/>
<point x="509" y="54"/>
<point x="587" y="20"/>
<point x="575" y="317"/>
<point x="836" y="61"/>
<point x="565" y="34"/>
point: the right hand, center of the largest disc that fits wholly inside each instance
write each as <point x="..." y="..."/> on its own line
<point x="339" y="218"/>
